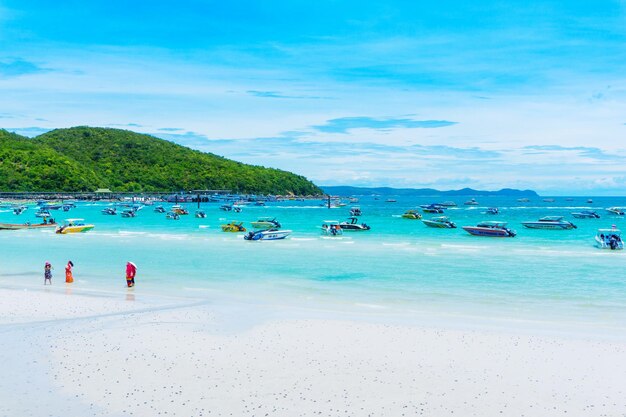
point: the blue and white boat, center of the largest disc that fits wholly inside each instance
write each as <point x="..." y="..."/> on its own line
<point x="550" y="223"/>
<point x="615" y="210"/>
<point x="441" y="222"/>
<point x="492" y="210"/>
<point x="586" y="214"/>
<point x="609" y="239"/>
<point x="490" y="229"/>
<point x="270" y="234"/>
<point x="332" y="228"/>
<point x="111" y="211"/>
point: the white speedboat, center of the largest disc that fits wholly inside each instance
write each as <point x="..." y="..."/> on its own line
<point x="159" y="209"/>
<point x="111" y="211"/>
<point x="264" y="223"/>
<point x="490" y="229"/>
<point x="492" y="210"/>
<point x="471" y="202"/>
<point x="352" y="225"/>
<point x="551" y="223"/>
<point x="355" y="211"/>
<point x="270" y="234"/>
<point x="586" y="214"/>
<point x="332" y="228"/>
<point x="200" y="214"/>
<point x="441" y="222"/>
<point x="615" y="210"/>
<point x="172" y="215"/>
<point x="129" y="213"/>
<point x="609" y="239"/>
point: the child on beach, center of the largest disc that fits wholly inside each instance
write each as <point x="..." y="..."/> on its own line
<point x="131" y="271"/>
<point x="47" y="274"/>
<point x="68" y="272"/>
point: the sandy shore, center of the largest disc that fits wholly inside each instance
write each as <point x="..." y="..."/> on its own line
<point x="116" y="355"/>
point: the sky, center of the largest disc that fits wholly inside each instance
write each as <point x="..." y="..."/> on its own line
<point x="444" y="94"/>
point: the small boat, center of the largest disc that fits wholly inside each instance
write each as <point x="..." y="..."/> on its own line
<point x="391" y="200"/>
<point x="615" y="210"/>
<point x="230" y="207"/>
<point x="569" y="199"/>
<point x="353" y="200"/>
<point x="447" y="204"/>
<point x="19" y="210"/>
<point x="548" y="200"/>
<point x="609" y="239"/>
<point x="490" y="229"/>
<point x="74" y="226"/>
<point x="42" y="213"/>
<point x="432" y="208"/>
<point x="471" y="202"/>
<point x="259" y="203"/>
<point x="67" y="207"/>
<point x="492" y="210"/>
<point x="352" y="225"/>
<point x="172" y="215"/>
<point x="270" y="234"/>
<point x="551" y="223"/>
<point x="411" y="214"/>
<point x="264" y="223"/>
<point x="355" y="211"/>
<point x="332" y="228"/>
<point x="439" y="223"/>
<point x="200" y="214"/>
<point x="129" y="213"/>
<point x="159" y="209"/>
<point x="233" y="227"/>
<point x="28" y="225"/>
<point x="523" y="200"/>
<point x="111" y="211"/>
<point x="586" y="214"/>
<point x="590" y="201"/>
<point x="178" y="209"/>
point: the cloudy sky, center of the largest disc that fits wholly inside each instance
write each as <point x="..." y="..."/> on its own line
<point x="443" y="94"/>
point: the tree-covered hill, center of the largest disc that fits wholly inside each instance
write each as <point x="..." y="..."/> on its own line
<point x="86" y="158"/>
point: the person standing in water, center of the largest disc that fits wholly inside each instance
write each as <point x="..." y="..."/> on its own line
<point x="47" y="274"/>
<point x="68" y="272"/>
<point x="131" y="271"/>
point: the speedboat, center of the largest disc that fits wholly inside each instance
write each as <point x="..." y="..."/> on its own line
<point x="19" y="210"/>
<point x="548" y="200"/>
<point x="172" y="215"/>
<point x="586" y="214"/>
<point x="200" y="214"/>
<point x="159" y="209"/>
<point x="233" y="227"/>
<point x="523" y="200"/>
<point x="74" y="226"/>
<point x="332" y="228"/>
<point x="471" y="202"/>
<point x="67" y="207"/>
<point x="129" y="213"/>
<point x="491" y="229"/>
<point x="264" y="223"/>
<point x="42" y="213"/>
<point x="390" y="200"/>
<point x="355" y="211"/>
<point x="615" y="210"/>
<point x="270" y="234"/>
<point x="178" y="209"/>
<point x="353" y="200"/>
<point x="411" y="214"/>
<point x="550" y="222"/>
<point x="111" y="211"/>
<point x="590" y="201"/>
<point x="492" y="210"/>
<point x="352" y="225"/>
<point x="609" y="239"/>
<point x="439" y="223"/>
<point x="259" y="203"/>
<point x="447" y="204"/>
<point x="432" y="208"/>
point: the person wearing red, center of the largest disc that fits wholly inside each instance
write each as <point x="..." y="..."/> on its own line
<point x="131" y="271"/>
<point x="69" y="278"/>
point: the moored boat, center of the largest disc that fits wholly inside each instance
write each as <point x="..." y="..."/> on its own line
<point x="13" y="226"/>
<point x="178" y="209"/>
<point x="492" y="210"/>
<point x="615" y="210"/>
<point x="172" y="215"/>
<point x="74" y="226"/>
<point x="441" y="222"/>
<point x="609" y="239"/>
<point x="411" y="214"/>
<point x="490" y="229"/>
<point x="550" y="223"/>
<point x="352" y="225"/>
<point x="270" y="234"/>
<point x="471" y="202"/>
<point x="264" y="223"/>
<point x="233" y="227"/>
<point x="432" y="208"/>
<point x="355" y="211"/>
<point x="111" y="211"/>
<point x="447" y="204"/>
<point x="200" y="214"/>
<point x="129" y="213"/>
<point x="159" y="209"/>
<point x="586" y="214"/>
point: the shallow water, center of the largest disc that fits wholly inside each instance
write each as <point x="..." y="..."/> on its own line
<point x="399" y="267"/>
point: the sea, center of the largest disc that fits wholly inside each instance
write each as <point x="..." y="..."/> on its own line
<point x="399" y="271"/>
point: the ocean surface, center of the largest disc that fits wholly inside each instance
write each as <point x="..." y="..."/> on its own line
<point x="400" y="268"/>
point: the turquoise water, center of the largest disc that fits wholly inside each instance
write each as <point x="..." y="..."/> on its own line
<point x="400" y="267"/>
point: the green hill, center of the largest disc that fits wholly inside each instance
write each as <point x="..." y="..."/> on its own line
<point x="86" y="158"/>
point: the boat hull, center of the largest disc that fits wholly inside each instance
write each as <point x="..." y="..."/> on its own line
<point x="486" y="231"/>
<point x="74" y="229"/>
<point x="11" y="226"/>
<point x="268" y="235"/>
<point x="549" y="226"/>
<point x="439" y="225"/>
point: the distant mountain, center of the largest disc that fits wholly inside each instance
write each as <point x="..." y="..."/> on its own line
<point x="424" y="192"/>
<point x="87" y="158"/>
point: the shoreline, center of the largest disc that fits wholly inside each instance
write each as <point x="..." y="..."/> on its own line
<point x="110" y="357"/>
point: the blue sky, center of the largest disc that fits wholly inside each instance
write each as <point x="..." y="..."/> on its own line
<point x="443" y="94"/>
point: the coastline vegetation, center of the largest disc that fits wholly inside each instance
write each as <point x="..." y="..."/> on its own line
<point x="86" y="158"/>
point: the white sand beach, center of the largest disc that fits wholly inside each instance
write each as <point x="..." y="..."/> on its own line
<point x="69" y="354"/>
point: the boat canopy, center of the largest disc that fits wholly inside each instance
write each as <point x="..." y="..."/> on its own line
<point x="491" y="224"/>
<point x="551" y="219"/>
<point x="613" y="231"/>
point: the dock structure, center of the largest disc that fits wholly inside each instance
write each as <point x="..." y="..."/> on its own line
<point x="106" y="194"/>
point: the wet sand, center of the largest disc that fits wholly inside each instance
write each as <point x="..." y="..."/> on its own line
<point x="72" y="354"/>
